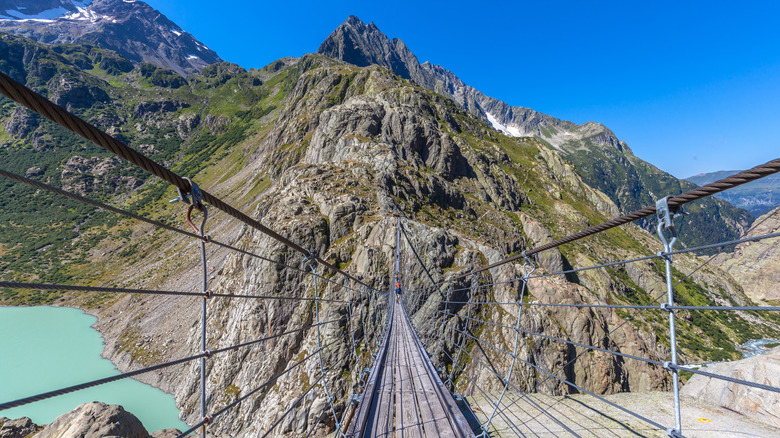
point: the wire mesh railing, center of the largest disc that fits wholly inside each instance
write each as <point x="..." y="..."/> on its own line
<point x="189" y="192"/>
<point x="458" y="305"/>
<point x="458" y="308"/>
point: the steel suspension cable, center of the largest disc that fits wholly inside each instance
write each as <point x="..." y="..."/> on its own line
<point x="41" y="105"/>
<point x="464" y="373"/>
<point x="295" y="404"/>
<point x="47" y="286"/>
<point x="403" y="230"/>
<point x="67" y="390"/>
<point x="738" y="179"/>
<point x="236" y="402"/>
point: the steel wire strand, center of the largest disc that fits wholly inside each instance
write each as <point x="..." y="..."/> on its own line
<point x="131" y="215"/>
<point x="236" y="402"/>
<point x="482" y="391"/>
<point x="403" y="230"/>
<point x="47" y="395"/>
<point x="631" y="317"/>
<point x="639" y="259"/>
<point x="726" y="378"/>
<point x="606" y="306"/>
<point x="69" y="389"/>
<point x="316" y="422"/>
<point x="579" y="388"/>
<point x="590" y="347"/>
<point x="153" y="222"/>
<point x="543" y="411"/>
<point x="321" y="362"/>
<point x="738" y="179"/>
<point x="47" y="286"/>
<point x="41" y="105"/>
<point x="295" y="404"/>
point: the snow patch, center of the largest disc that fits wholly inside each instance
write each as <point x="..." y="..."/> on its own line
<point x="175" y="32"/>
<point x="84" y="14"/>
<point x="193" y="57"/>
<point x="508" y="130"/>
<point x="48" y="14"/>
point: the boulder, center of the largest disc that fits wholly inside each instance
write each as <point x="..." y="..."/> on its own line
<point x="759" y="404"/>
<point x="95" y="419"/>
<point x="18" y="428"/>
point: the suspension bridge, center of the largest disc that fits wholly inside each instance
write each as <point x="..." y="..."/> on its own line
<point x="416" y="357"/>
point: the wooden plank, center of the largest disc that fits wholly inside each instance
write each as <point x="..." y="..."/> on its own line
<point x="410" y="412"/>
<point x="435" y="423"/>
<point x="379" y="419"/>
<point x="458" y="423"/>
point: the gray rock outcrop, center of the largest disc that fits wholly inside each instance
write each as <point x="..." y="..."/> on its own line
<point x="755" y="264"/>
<point x="18" y="428"/>
<point x="95" y="419"/>
<point x="759" y="404"/>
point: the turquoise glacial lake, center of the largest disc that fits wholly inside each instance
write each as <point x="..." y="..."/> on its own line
<point x="48" y="348"/>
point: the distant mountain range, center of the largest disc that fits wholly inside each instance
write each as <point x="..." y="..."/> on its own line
<point x="757" y="197"/>
<point x="133" y="29"/>
<point x="603" y="161"/>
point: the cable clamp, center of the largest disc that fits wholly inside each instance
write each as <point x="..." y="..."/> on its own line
<point x="208" y="294"/>
<point x="667" y="214"/>
<point x="673" y="433"/>
<point x="193" y="198"/>
<point x="310" y="260"/>
<point x="666" y="307"/>
<point x="668" y="366"/>
<point x="207" y="419"/>
<point x="207" y="353"/>
<point x="528" y="266"/>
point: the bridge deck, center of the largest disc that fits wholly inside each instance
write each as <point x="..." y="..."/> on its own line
<point x="404" y="395"/>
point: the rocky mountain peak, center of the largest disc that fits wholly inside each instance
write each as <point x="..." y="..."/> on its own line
<point x="363" y="44"/>
<point x="131" y="28"/>
<point x="39" y="9"/>
<point x="596" y="151"/>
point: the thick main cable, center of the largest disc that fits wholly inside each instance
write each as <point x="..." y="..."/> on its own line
<point x="743" y="177"/>
<point x="39" y="104"/>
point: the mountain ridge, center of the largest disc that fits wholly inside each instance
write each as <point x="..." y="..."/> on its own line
<point x="131" y="28"/>
<point x="604" y="161"/>
<point x="323" y="153"/>
<point x="757" y="197"/>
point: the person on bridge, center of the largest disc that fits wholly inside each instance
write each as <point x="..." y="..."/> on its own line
<point x="397" y="292"/>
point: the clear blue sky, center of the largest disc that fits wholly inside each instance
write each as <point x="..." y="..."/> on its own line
<point x="691" y="86"/>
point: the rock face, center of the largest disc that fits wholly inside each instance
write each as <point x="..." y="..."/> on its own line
<point x="755" y="403"/>
<point x="755" y="264"/>
<point x="95" y="419"/>
<point x="602" y="160"/>
<point x="323" y="152"/>
<point x="18" y="428"/>
<point x="133" y="29"/>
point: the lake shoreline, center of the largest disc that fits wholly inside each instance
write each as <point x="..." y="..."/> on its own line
<point x="100" y="351"/>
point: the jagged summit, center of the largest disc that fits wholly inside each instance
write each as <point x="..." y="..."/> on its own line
<point x="39" y="10"/>
<point x="364" y="44"/>
<point x="595" y="150"/>
<point x="132" y="28"/>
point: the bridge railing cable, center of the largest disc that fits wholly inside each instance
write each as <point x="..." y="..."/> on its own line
<point x="39" y="104"/>
<point x="457" y="313"/>
<point x="46" y="108"/>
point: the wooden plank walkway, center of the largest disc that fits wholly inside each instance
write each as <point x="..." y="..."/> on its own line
<point x="404" y="396"/>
